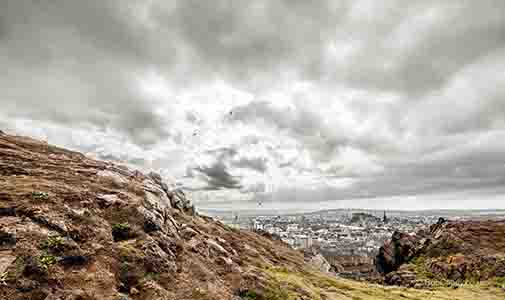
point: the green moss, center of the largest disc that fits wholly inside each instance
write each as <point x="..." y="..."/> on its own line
<point x="54" y="242"/>
<point x="249" y="295"/>
<point x="121" y="226"/>
<point x="199" y="294"/>
<point x="19" y="266"/>
<point x="47" y="260"/>
<point x="121" y="231"/>
<point x="40" y="196"/>
<point x="277" y="293"/>
<point x="499" y="282"/>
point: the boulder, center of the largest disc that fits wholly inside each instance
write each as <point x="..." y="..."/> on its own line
<point x="187" y="233"/>
<point x="217" y="248"/>
<point x="117" y="178"/>
<point x="320" y="263"/>
<point x="397" y="251"/>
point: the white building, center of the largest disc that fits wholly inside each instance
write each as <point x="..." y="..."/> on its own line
<point x="257" y="225"/>
<point x="292" y="227"/>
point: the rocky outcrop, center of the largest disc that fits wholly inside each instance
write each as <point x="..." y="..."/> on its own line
<point x="397" y="251"/>
<point x="458" y="251"/>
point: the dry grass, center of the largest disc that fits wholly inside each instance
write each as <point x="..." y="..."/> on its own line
<point x="318" y="287"/>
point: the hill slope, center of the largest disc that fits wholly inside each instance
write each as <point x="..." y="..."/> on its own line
<point x="76" y="228"/>
<point x="450" y="251"/>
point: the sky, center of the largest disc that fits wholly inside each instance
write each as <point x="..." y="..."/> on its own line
<point x="270" y="104"/>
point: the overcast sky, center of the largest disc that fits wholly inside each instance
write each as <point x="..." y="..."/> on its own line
<point x="293" y="104"/>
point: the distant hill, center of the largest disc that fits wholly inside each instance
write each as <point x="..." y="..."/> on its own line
<point x="429" y="212"/>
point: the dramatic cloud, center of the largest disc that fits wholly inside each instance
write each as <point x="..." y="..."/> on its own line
<point x="294" y="104"/>
<point x="218" y="177"/>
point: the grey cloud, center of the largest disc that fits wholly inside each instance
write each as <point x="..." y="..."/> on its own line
<point x="218" y="177"/>
<point x="258" y="164"/>
<point x="417" y="46"/>
<point x="76" y="64"/>
<point x="255" y="188"/>
<point x="479" y="170"/>
<point x="232" y="156"/>
<point x="223" y="153"/>
<point x="301" y="123"/>
<point x="241" y="41"/>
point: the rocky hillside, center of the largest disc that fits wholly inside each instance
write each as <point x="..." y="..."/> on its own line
<point x="73" y="228"/>
<point x="450" y="251"/>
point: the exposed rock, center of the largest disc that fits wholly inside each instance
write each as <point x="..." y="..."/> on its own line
<point x="320" y="263"/>
<point x="109" y="200"/>
<point x="401" y="277"/>
<point x="6" y="259"/>
<point x="156" y="197"/>
<point x="7" y="211"/>
<point x="187" y="233"/>
<point x="73" y="260"/>
<point x="214" y="246"/>
<point x="156" y="260"/>
<point x="7" y="240"/>
<point x="76" y="294"/>
<point x="450" y="250"/>
<point x="400" y="249"/>
<point x="317" y="260"/>
<point x="118" y="179"/>
<point x="155" y="177"/>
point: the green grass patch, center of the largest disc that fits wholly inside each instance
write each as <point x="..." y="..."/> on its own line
<point x="54" y="242"/>
<point x="47" y="260"/>
<point x="290" y="285"/>
<point x="40" y="196"/>
<point x="249" y="295"/>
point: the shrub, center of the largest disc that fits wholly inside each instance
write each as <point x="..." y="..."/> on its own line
<point x="276" y="293"/>
<point x="47" y="260"/>
<point x="129" y="276"/>
<point x="249" y="295"/>
<point x="31" y="267"/>
<point x="120" y="231"/>
<point x="54" y="243"/>
<point x="499" y="282"/>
